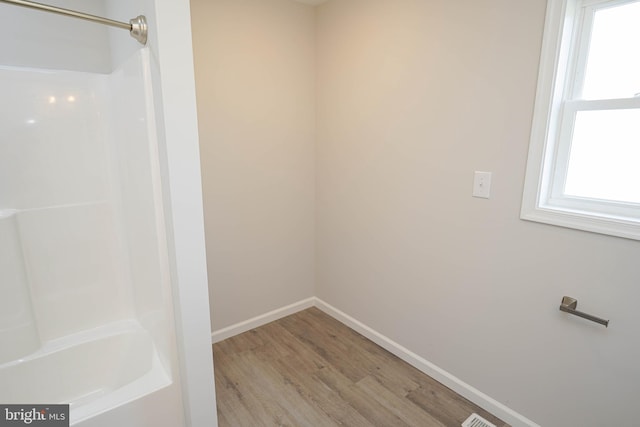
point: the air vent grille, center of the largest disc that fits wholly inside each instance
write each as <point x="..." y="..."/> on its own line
<point x="476" y="420"/>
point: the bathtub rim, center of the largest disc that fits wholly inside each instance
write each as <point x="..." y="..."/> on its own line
<point x="151" y="381"/>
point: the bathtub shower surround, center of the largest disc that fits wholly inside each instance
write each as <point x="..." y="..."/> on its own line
<point x="85" y="312"/>
<point x="17" y="321"/>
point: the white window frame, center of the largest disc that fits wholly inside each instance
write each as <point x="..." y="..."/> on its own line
<point x="559" y="78"/>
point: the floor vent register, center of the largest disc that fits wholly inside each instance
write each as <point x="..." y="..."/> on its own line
<point x="476" y="420"/>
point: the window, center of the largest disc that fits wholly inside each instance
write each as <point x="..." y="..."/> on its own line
<point x="584" y="157"/>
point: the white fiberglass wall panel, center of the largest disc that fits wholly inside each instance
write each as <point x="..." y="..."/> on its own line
<point x="134" y="149"/>
<point x="73" y="265"/>
<point x="53" y="148"/>
<point x="18" y="331"/>
<point x="31" y="38"/>
<point x="54" y="170"/>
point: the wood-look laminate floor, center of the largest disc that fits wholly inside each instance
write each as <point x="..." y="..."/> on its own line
<point x="308" y="369"/>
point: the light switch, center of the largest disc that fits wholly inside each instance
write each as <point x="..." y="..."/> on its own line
<point x="482" y="184"/>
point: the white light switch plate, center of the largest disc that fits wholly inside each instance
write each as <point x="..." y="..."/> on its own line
<point x="482" y="184"/>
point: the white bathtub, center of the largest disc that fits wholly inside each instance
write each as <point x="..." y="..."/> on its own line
<point x="94" y="371"/>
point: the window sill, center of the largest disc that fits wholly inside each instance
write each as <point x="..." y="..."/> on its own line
<point x="627" y="228"/>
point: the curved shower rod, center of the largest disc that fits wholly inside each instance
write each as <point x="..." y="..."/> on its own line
<point x="137" y="26"/>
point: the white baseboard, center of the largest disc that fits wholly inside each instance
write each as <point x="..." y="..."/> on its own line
<point x="474" y="395"/>
<point x="263" y="319"/>
<point x="465" y="390"/>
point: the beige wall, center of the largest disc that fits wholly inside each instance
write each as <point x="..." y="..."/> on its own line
<point x="413" y="96"/>
<point x="255" y="77"/>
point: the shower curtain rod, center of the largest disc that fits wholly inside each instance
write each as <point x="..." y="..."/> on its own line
<point x="137" y="26"/>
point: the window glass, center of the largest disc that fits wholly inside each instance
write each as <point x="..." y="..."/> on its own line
<point x="605" y="156"/>
<point x="613" y="65"/>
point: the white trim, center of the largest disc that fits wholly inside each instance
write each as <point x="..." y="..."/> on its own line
<point x="543" y="199"/>
<point x="618" y="227"/>
<point x="545" y="114"/>
<point x="263" y="319"/>
<point x="463" y="389"/>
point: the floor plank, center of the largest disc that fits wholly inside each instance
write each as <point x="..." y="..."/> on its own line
<point x="309" y="369"/>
